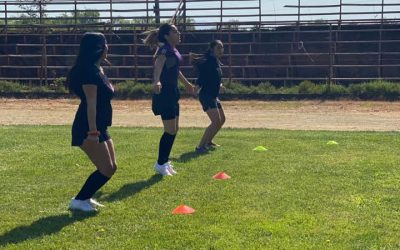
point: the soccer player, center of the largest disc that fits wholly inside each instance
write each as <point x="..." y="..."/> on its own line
<point x="165" y="101"/>
<point x="209" y="79"/>
<point x="89" y="130"/>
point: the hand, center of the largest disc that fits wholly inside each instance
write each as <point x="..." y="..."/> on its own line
<point x="190" y="89"/>
<point x="157" y="88"/>
<point x="92" y="139"/>
<point x="222" y="89"/>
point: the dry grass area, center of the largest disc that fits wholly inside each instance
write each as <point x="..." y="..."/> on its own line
<point x="291" y="115"/>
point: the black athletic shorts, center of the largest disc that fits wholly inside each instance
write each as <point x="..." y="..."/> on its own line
<point x="79" y="135"/>
<point x="166" y="106"/>
<point x="209" y="102"/>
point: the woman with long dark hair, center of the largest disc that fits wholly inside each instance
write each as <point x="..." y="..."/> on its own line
<point x="166" y="93"/>
<point x="209" y="80"/>
<point x="87" y="80"/>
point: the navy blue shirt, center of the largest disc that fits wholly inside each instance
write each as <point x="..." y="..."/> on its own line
<point x="170" y="72"/>
<point x="210" y="76"/>
<point x="105" y="92"/>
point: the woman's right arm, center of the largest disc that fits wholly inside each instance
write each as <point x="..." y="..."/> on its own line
<point x="158" y="66"/>
<point x="90" y="91"/>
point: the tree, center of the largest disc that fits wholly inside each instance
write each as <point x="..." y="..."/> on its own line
<point x="34" y="8"/>
<point x="232" y="24"/>
<point x="129" y="24"/>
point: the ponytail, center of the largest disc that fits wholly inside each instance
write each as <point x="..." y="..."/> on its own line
<point x="156" y="38"/>
<point x="151" y="39"/>
<point x="196" y="60"/>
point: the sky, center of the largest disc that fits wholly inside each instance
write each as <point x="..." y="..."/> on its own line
<point x="269" y="7"/>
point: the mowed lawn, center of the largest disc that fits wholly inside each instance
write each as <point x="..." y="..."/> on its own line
<point x="300" y="194"/>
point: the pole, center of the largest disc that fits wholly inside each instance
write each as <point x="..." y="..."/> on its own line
<point x="380" y="39"/>
<point x="157" y="11"/>
<point x="111" y="14"/>
<point x="76" y="13"/>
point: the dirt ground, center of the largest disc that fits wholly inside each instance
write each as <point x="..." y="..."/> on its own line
<point x="291" y="115"/>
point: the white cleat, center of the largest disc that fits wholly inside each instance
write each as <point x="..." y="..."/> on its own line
<point x="95" y="203"/>
<point x="162" y="169"/>
<point x="81" y="205"/>
<point x="171" y="168"/>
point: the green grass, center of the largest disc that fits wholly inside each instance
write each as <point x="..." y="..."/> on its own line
<point x="300" y="194"/>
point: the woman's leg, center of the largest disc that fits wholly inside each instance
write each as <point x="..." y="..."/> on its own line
<point x="167" y="139"/>
<point x="99" y="154"/>
<point x="221" y="122"/>
<point x="110" y="145"/>
<point x="217" y="120"/>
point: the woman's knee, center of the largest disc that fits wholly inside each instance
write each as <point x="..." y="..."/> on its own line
<point x="108" y="170"/>
<point x="171" y="131"/>
<point x="222" y="121"/>
<point x="218" y="123"/>
<point x="115" y="168"/>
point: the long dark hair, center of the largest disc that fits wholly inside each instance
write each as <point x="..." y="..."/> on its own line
<point x="197" y="59"/>
<point x="91" y="49"/>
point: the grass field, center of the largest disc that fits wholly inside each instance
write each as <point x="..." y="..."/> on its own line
<point x="300" y="194"/>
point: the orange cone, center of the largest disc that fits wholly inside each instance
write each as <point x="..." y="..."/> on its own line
<point x="221" y="176"/>
<point x="183" y="209"/>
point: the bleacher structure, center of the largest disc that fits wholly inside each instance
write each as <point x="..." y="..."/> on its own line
<point x="257" y="49"/>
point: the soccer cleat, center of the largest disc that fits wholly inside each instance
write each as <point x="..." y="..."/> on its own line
<point x="162" y="169"/>
<point x="95" y="203"/>
<point x="212" y="144"/>
<point x="171" y="168"/>
<point x="201" y="150"/>
<point x="81" y="205"/>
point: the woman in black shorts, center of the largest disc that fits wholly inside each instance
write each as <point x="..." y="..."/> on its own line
<point x="87" y="80"/>
<point x="209" y="70"/>
<point x="166" y="93"/>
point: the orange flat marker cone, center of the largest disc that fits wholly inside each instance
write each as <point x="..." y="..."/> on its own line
<point x="221" y="176"/>
<point x="183" y="209"/>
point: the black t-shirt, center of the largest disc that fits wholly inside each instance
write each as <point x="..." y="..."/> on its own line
<point x="210" y="76"/>
<point x="105" y="92"/>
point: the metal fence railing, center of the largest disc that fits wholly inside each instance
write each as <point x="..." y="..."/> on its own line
<point x="39" y="40"/>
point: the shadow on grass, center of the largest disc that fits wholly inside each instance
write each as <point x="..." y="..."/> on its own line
<point x="133" y="188"/>
<point x="42" y="227"/>
<point x="191" y="155"/>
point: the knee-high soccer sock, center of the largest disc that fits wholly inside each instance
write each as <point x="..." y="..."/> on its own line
<point x="166" y="142"/>
<point x="95" y="181"/>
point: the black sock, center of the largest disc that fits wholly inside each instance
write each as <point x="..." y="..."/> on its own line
<point x="95" y="181"/>
<point x="166" y="142"/>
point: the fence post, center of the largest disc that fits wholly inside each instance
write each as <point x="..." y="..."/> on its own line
<point x="340" y="12"/>
<point x="259" y="20"/>
<point x="221" y="15"/>
<point x="330" y="74"/>
<point x="147" y="14"/>
<point x="230" y="53"/>
<point x="184" y="15"/>
<point x="135" y="41"/>
<point x="298" y="12"/>
<point x="157" y="11"/>
<point x="45" y="57"/>
<point x="111" y="14"/>
<point x="75" y="13"/>
<point x="380" y="40"/>
<point x="40" y="12"/>
<point x="6" y="21"/>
